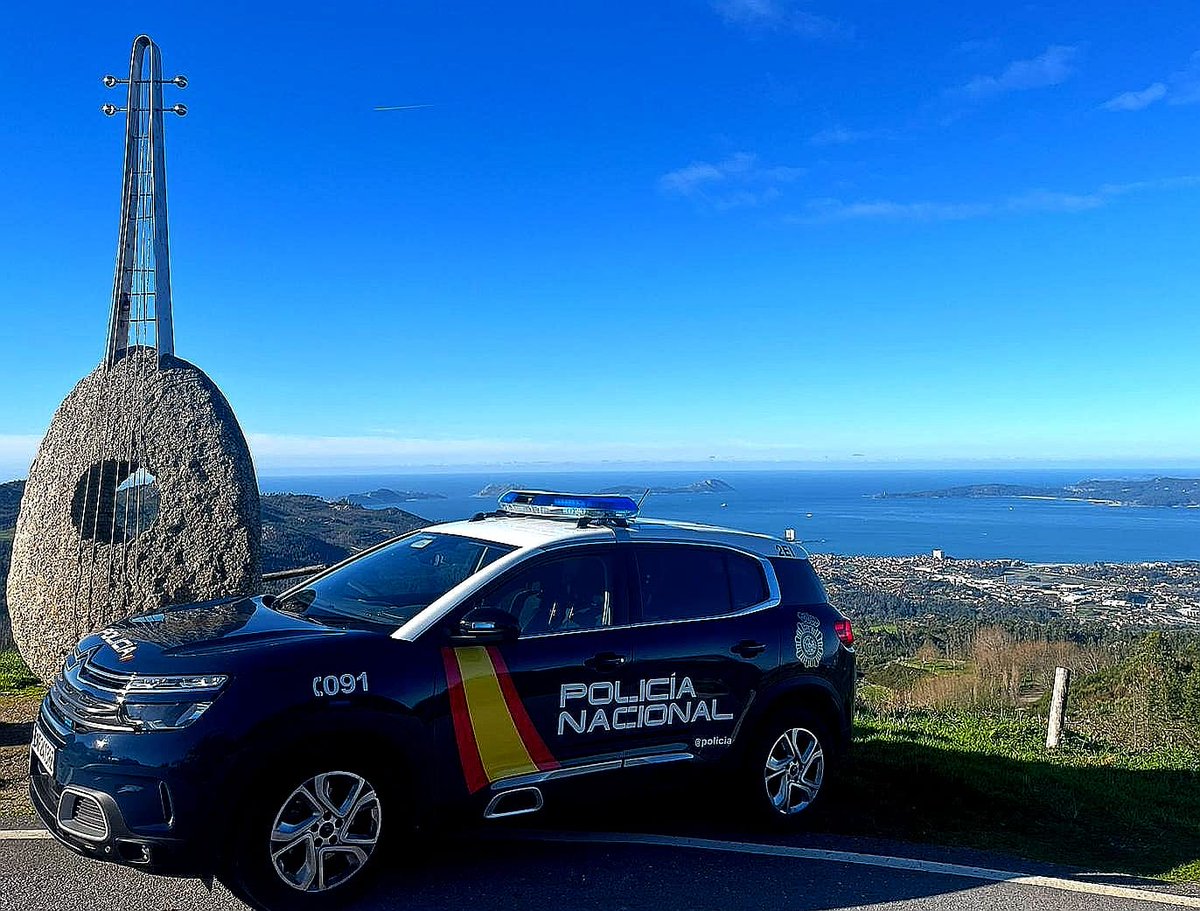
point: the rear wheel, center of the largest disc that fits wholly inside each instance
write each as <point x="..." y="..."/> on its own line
<point x="312" y="837"/>
<point x="787" y="769"/>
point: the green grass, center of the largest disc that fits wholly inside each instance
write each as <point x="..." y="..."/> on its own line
<point x="892" y="629"/>
<point x="986" y="781"/>
<point x="15" y="678"/>
<point x="896" y="675"/>
<point x="936" y="666"/>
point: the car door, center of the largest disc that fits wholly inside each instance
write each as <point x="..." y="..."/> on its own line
<point x="703" y="638"/>
<point x="547" y="701"/>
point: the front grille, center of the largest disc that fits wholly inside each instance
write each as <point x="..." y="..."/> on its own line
<point x="88" y="698"/>
<point x="82" y="815"/>
<point x="101" y="679"/>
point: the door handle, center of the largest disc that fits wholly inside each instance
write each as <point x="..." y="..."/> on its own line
<point x="748" y="648"/>
<point x="604" y="661"/>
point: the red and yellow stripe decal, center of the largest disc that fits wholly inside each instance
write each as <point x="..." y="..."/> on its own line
<point x="496" y="738"/>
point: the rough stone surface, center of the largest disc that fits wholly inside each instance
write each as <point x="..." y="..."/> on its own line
<point x="72" y="571"/>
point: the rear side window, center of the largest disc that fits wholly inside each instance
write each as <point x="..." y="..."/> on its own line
<point x="683" y="582"/>
<point x="798" y="582"/>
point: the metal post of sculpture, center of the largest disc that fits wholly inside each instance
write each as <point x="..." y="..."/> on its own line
<point x="143" y="492"/>
<point x="142" y="282"/>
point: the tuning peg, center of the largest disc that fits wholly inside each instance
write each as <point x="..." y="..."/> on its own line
<point x="110" y="81"/>
<point x="110" y="109"/>
<point x="180" y="109"/>
<point x="180" y="82"/>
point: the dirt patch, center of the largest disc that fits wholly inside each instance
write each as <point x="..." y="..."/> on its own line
<point x="16" y="727"/>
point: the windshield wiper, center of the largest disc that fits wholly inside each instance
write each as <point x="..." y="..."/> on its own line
<point x="294" y="603"/>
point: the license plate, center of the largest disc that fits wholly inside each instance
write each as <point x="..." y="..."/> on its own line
<point x="43" y="749"/>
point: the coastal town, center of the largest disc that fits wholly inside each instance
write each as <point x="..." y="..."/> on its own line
<point x="1118" y="595"/>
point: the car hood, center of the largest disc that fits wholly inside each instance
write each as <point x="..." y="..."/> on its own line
<point x="238" y="629"/>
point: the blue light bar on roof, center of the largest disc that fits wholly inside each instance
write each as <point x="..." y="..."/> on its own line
<point x="567" y="505"/>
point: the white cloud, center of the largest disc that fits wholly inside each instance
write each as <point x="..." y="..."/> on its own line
<point x="283" y="453"/>
<point x="1034" y="201"/>
<point x="1053" y="66"/>
<point x="16" y="454"/>
<point x="835" y="136"/>
<point x="1185" y="84"/>
<point x="831" y="209"/>
<point x="779" y="15"/>
<point x="1051" y="201"/>
<point x="292" y="453"/>
<point x="738" y="181"/>
<point x="692" y="178"/>
<point x="1182" y="87"/>
<point x="1186" y="182"/>
<point x="1135" y="101"/>
<point x="292" y="450"/>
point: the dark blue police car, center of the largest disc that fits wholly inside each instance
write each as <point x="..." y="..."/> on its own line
<point x="277" y="742"/>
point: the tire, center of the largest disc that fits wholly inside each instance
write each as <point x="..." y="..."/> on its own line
<point x="787" y="769"/>
<point x="311" y="836"/>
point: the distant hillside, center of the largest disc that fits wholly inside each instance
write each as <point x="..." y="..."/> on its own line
<point x="10" y="503"/>
<point x="300" y="530"/>
<point x="708" y="485"/>
<point x="495" y="490"/>
<point x="297" y="531"/>
<point x="385" y="496"/>
<point x="1108" y="492"/>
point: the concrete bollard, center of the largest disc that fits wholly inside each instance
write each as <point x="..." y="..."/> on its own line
<point x="1058" y="707"/>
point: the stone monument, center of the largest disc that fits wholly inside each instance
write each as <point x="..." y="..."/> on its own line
<point x="143" y="492"/>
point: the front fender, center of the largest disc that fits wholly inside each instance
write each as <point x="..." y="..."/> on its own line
<point x="384" y="733"/>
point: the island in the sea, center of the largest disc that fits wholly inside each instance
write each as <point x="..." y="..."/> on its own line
<point x="1177" y="492"/>
<point x="707" y="485"/>
<point x="385" y="496"/>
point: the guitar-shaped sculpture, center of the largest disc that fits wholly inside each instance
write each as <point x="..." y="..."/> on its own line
<point x="143" y="492"/>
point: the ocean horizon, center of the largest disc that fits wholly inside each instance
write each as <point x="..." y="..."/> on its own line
<point x="836" y="511"/>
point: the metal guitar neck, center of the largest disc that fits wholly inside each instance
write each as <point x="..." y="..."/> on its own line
<point x="141" y="297"/>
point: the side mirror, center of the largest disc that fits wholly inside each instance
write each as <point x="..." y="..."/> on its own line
<point x="488" y="624"/>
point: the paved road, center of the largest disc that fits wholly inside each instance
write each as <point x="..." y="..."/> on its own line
<point x="510" y="870"/>
<point x="649" y="849"/>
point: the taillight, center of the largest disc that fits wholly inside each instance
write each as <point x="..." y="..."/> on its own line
<point x="845" y="632"/>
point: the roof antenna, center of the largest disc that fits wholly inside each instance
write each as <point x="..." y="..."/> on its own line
<point x="643" y="499"/>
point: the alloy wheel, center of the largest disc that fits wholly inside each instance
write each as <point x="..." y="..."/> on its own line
<point x="325" y="832"/>
<point x="794" y="771"/>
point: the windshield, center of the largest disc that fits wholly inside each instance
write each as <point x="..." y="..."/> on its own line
<point x="393" y="584"/>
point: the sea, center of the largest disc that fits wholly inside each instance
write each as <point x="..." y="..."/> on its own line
<point x="838" y="511"/>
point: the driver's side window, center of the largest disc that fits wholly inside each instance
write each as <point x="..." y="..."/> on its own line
<point x="561" y="595"/>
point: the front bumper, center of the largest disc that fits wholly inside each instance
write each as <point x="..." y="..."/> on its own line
<point x="83" y="813"/>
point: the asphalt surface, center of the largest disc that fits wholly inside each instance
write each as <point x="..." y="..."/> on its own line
<point x="505" y="869"/>
<point x="575" y="855"/>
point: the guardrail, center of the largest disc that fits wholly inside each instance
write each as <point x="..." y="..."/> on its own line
<point x="294" y="573"/>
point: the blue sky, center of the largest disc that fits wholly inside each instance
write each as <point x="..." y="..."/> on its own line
<point x="751" y="229"/>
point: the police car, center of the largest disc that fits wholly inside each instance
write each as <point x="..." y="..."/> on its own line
<point x="279" y="742"/>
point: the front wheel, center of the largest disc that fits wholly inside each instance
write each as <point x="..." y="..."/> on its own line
<point x="309" y="838"/>
<point x="788" y="767"/>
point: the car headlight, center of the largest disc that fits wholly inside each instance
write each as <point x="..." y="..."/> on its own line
<point x="163" y="716"/>
<point x="168" y="702"/>
<point x="175" y="683"/>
